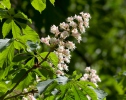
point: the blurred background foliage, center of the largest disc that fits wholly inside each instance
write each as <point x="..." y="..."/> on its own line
<point x="104" y="44"/>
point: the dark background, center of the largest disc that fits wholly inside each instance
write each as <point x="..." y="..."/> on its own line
<point x="104" y="44"/>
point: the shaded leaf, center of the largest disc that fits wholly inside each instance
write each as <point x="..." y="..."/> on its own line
<point x="3" y="14"/>
<point x="20" y="57"/>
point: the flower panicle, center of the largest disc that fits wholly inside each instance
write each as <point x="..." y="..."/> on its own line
<point x="74" y="26"/>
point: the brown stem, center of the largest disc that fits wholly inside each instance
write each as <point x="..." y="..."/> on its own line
<point x="32" y="91"/>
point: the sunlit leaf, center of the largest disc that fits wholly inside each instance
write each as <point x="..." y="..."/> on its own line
<point x="15" y="30"/>
<point x="38" y="5"/>
<point x="6" y="27"/>
<point x="52" y="1"/>
<point x="7" y="55"/>
<point x="7" y="3"/>
<point x="22" y="16"/>
<point x="3" y="88"/>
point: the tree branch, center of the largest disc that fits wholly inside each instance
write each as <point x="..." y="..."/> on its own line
<point x="32" y="91"/>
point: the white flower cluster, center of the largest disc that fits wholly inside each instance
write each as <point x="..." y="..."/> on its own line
<point x="91" y="76"/>
<point x="73" y="27"/>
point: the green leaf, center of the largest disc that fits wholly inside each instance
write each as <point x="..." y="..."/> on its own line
<point x="3" y="14"/>
<point x="50" y="88"/>
<point x="38" y="5"/>
<point x="20" y="57"/>
<point x="4" y="43"/>
<point x="19" y="74"/>
<point x="4" y="72"/>
<point x="88" y="90"/>
<point x="28" y="33"/>
<point x="30" y="62"/>
<point x="6" y="27"/>
<point x="78" y="94"/>
<point x="18" y="44"/>
<point x="63" y="89"/>
<point x="7" y="3"/>
<point x="41" y="86"/>
<point x="76" y="75"/>
<point x="22" y="16"/>
<point x="3" y="88"/>
<point x="32" y="46"/>
<point x="15" y="30"/>
<point x="7" y="55"/>
<point x="52" y="1"/>
<point x="26" y="82"/>
<point x="50" y="98"/>
<point x="52" y="57"/>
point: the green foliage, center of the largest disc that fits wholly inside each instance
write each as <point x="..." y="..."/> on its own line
<point x="24" y="64"/>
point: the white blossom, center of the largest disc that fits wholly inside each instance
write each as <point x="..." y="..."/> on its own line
<point x="64" y="25"/>
<point x="72" y="27"/>
<point x="73" y="24"/>
<point x="59" y="72"/>
<point x="45" y="40"/>
<point x="87" y="69"/>
<point x="24" y="98"/>
<point x="78" y="18"/>
<point x="70" y="45"/>
<point x="69" y="19"/>
<point x="54" y="30"/>
<point x="64" y="34"/>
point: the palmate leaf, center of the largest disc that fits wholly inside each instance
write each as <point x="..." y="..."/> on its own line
<point x="87" y="90"/>
<point x="38" y="5"/>
<point x="6" y="27"/>
<point x="7" y="55"/>
<point x="28" y="33"/>
<point x="22" y="16"/>
<point x="78" y="94"/>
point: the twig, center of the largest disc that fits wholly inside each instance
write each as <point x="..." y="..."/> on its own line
<point x="32" y="91"/>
